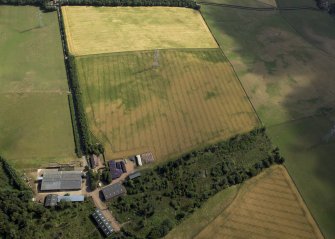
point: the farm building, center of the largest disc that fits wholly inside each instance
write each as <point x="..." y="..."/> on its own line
<point x="102" y="222"/>
<point x="138" y="160"/>
<point x="51" y="200"/>
<point x="132" y="158"/>
<point x="123" y="167"/>
<point x="71" y="198"/>
<point x="113" y="190"/>
<point x="115" y="172"/>
<point x="61" y="180"/>
<point x="134" y="175"/>
<point x="94" y="160"/>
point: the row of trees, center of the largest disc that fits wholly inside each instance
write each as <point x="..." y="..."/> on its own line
<point x="14" y="179"/>
<point x="178" y="187"/>
<point x="48" y="5"/>
<point x="326" y="5"/>
<point x="83" y="136"/>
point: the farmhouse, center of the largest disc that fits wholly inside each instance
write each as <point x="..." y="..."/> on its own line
<point x="115" y="169"/>
<point x="61" y="180"/>
<point x="113" y="191"/>
<point x="102" y="222"/>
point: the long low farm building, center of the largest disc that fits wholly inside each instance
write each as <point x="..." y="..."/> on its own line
<point x="61" y="180"/>
<point x="102" y="222"/>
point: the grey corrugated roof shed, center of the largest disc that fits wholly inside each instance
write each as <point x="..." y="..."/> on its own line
<point x="113" y="190"/>
<point x="50" y="200"/>
<point x="102" y="222"/>
<point x="72" y="198"/>
<point x="61" y="180"/>
<point x="134" y="175"/>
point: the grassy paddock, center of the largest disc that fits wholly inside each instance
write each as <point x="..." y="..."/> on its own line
<point x="35" y="122"/>
<point x="310" y="147"/>
<point x="190" y="99"/>
<point x="94" y="30"/>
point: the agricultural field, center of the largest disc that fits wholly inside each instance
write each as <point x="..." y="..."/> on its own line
<point x="167" y="102"/>
<point x="267" y="206"/>
<point x="35" y="122"/>
<point x="95" y="30"/>
<point x="202" y="217"/>
<point x="285" y="61"/>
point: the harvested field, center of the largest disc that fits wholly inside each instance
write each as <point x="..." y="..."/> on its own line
<point x="94" y="30"/>
<point x="190" y="99"/>
<point x="268" y="206"/>
<point x="35" y="122"/>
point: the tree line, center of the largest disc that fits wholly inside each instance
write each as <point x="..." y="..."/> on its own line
<point x="326" y="5"/>
<point x="166" y="195"/>
<point x="48" y="5"/>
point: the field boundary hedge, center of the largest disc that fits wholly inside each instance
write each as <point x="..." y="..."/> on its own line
<point x="79" y="121"/>
<point x="15" y="179"/>
<point x="75" y="127"/>
<point x="47" y="6"/>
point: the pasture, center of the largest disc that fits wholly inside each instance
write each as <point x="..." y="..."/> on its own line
<point x="95" y="30"/>
<point x="35" y="120"/>
<point x="285" y="62"/>
<point x="167" y="102"/>
<point x="267" y="206"/>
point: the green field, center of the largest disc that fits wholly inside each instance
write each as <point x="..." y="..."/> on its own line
<point x="285" y="62"/>
<point x="35" y="120"/>
<point x="191" y="98"/>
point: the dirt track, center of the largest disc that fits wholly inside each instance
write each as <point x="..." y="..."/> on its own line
<point x="104" y="209"/>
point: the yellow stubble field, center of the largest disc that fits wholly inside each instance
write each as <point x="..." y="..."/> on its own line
<point x="96" y="30"/>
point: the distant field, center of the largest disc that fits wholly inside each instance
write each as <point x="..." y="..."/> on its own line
<point x="94" y="30"/>
<point x="309" y="144"/>
<point x="285" y="61"/>
<point x="35" y="120"/>
<point x="268" y="206"/>
<point x="189" y="100"/>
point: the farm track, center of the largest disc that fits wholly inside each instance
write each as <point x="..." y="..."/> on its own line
<point x="258" y="212"/>
<point x="163" y="109"/>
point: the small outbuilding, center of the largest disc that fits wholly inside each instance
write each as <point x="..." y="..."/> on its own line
<point x="102" y="222"/>
<point x="134" y="175"/>
<point x="138" y="160"/>
<point x="51" y="200"/>
<point x="113" y="191"/>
